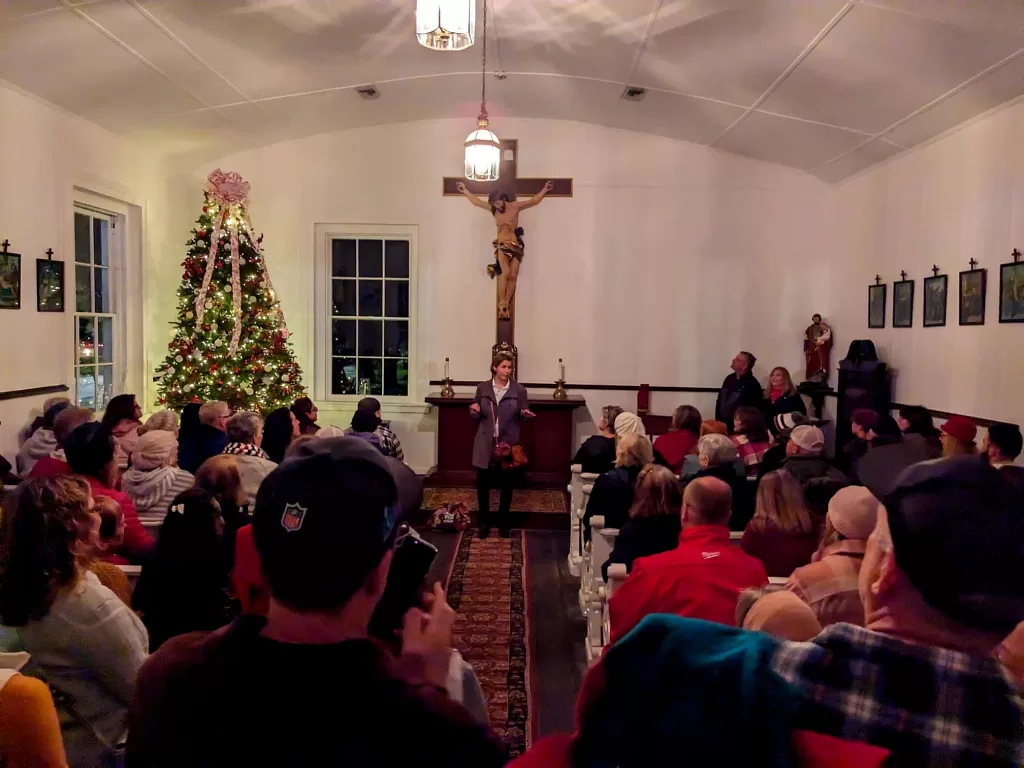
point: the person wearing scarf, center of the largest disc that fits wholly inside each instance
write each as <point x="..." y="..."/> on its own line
<point x="245" y="436"/>
<point x="154" y="478"/>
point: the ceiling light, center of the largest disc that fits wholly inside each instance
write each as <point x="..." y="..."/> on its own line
<point x="446" y="25"/>
<point x="483" y="150"/>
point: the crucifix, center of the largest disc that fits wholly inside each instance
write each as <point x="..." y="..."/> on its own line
<point x="501" y="201"/>
<point x="935" y="271"/>
<point x="5" y="244"/>
<point x="1016" y="255"/>
<point x="973" y="263"/>
<point x="49" y="254"/>
<point x="903" y="275"/>
<point x="878" y="279"/>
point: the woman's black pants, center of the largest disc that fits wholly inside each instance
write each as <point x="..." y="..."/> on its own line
<point x="502" y="479"/>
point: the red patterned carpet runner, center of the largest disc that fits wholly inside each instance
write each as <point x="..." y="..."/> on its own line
<point x="485" y="588"/>
<point x="522" y="500"/>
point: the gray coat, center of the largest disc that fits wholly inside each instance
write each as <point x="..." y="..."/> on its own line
<point x="514" y="401"/>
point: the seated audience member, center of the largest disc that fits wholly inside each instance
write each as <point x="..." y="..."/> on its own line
<point x="751" y="438"/>
<point x="66" y="422"/>
<point x="804" y="461"/>
<point x="942" y="584"/>
<point x="29" y="728"/>
<point x="777" y="613"/>
<point x="681" y="439"/>
<point x="782" y="396"/>
<point x="189" y="422"/>
<point x="885" y="432"/>
<point x="84" y="641"/>
<point x="1002" y="445"/>
<point x="915" y="421"/>
<point x="862" y="421"/>
<point x="739" y="388"/>
<point x="306" y="413"/>
<point x="110" y="538"/>
<point x="691" y="465"/>
<point x="782" y="534"/>
<point x="781" y="427"/>
<point x="154" y="478"/>
<point x="829" y="585"/>
<point x="182" y="588"/>
<point x="718" y="458"/>
<point x="701" y="578"/>
<point x="388" y="439"/>
<point x="328" y="431"/>
<point x="123" y="419"/>
<point x="245" y="433"/>
<point x="90" y="451"/>
<point x="597" y="453"/>
<point x="654" y="518"/>
<point x="37" y="422"/>
<point x="280" y="428"/>
<point x="364" y="427"/>
<point x="627" y="423"/>
<point x="220" y="477"/>
<point x="957" y="437"/>
<point x="207" y="439"/>
<point x="165" y="421"/>
<point x="612" y="494"/>
<point x="43" y="441"/>
<point x="201" y="697"/>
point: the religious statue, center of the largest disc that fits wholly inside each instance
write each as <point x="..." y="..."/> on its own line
<point x="508" y="243"/>
<point x="817" y="345"/>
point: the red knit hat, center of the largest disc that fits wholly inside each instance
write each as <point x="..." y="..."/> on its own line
<point x="963" y="428"/>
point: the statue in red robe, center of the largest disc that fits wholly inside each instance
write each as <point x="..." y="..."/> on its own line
<point x="817" y="346"/>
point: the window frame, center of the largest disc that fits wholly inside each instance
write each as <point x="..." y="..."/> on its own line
<point x="322" y="332"/>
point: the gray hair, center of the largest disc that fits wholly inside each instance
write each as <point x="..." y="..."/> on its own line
<point x="244" y="426"/>
<point x="213" y="410"/>
<point x="166" y="421"/>
<point x="718" y="449"/>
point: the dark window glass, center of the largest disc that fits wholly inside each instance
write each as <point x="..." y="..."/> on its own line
<point x="396" y="377"/>
<point x="370" y="377"/>
<point x="396" y="258"/>
<point x="396" y="338"/>
<point x="83" y="288"/>
<point x="343" y="302"/>
<point x="343" y="336"/>
<point x="82" y="239"/>
<point x="100" y="243"/>
<point x="396" y="298"/>
<point x="343" y="258"/>
<point x="371" y="258"/>
<point x="343" y="376"/>
<point x="371" y="298"/>
<point x="370" y="343"/>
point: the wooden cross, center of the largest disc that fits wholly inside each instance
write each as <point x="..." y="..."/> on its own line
<point x="5" y="245"/>
<point x="973" y="263"/>
<point x="49" y="254"/>
<point x="903" y="275"/>
<point x="935" y="271"/>
<point x="1016" y="254"/>
<point x="878" y="280"/>
<point x="513" y="187"/>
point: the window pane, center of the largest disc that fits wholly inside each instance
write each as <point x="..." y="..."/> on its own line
<point x="104" y="385"/>
<point x="396" y="258"/>
<point x="100" y="242"/>
<point x="83" y="289"/>
<point x="370" y="377"/>
<point x="87" y="388"/>
<point x="396" y="338"/>
<point x="343" y="258"/>
<point x="343" y="334"/>
<point x="371" y="298"/>
<point x="396" y="298"/>
<point x="86" y="341"/>
<point x="344" y="299"/>
<point x="105" y="340"/>
<point x="101" y="286"/>
<point x="343" y="376"/>
<point x="371" y="258"/>
<point x="396" y="377"/>
<point x="370" y="343"/>
<point x="82" y="240"/>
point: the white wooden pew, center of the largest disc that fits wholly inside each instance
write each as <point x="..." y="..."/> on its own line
<point x="602" y="541"/>
<point x="579" y="495"/>
<point x="584" y="566"/>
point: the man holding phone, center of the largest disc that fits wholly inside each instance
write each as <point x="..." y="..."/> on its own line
<point x="306" y="685"/>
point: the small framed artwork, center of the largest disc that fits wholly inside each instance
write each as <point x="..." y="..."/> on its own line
<point x="935" y="300"/>
<point x="1011" y="292"/>
<point x="972" y="297"/>
<point x="876" y="306"/>
<point x="10" y="280"/>
<point x="903" y="304"/>
<point x="49" y="285"/>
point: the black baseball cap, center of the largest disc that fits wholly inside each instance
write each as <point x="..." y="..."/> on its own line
<point x="325" y="517"/>
<point x="958" y="534"/>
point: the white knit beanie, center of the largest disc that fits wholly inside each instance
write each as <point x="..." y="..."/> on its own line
<point x="627" y="423"/>
<point x="154" y="449"/>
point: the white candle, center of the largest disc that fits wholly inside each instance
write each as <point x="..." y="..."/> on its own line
<point x="446" y="367"/>
<point x="561" y="369"/>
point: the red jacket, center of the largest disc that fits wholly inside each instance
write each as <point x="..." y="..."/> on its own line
<point x="137" y="541"/>
<point x="49" y="467"/>
<point x="246" y="576"/>
<point x="699" y="579"/>
<point x="675" y="446"/>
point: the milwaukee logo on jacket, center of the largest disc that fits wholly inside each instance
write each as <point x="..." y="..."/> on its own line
<point x="699" y="579"/>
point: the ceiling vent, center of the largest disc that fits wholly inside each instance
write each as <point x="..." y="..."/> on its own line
<point x="634" y="93"/>
<point x="368" y="92"/>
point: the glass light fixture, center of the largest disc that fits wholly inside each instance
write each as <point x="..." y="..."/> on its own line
<point x="483" y="150"/>
<point x="446" y="25"/>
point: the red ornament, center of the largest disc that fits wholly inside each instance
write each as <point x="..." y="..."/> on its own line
<point x="206" y="326"/>
<point x="214" y="367"/>
<point x="200" y="233"/>
<point x="219" y="264"/>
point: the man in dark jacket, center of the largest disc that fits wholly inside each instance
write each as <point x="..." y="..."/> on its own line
<point x="819" y="480"/>
<point x="208" y="439"/>
<point x="740" y="388"/>
<point x="718" y="459"/>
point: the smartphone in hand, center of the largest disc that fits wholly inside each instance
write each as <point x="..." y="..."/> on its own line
<point x="409" y="567"/>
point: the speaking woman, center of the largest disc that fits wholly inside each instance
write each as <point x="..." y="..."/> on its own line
<point x="497" y="407"/>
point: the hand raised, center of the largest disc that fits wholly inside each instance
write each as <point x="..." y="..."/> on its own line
<point x="548" y="186"/>
<point x="460" y="186"/>
<point x="427" y="636"/>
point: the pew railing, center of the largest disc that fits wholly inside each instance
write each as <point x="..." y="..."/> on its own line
<point x="579" y="494"/>
<point x="602" y="542"/>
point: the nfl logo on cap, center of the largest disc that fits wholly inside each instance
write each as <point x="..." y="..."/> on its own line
<point x="291" y="519"/>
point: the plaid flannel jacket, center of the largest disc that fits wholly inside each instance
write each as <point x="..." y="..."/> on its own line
<point x="388" y="439"/>
<point x="929" y="706"/>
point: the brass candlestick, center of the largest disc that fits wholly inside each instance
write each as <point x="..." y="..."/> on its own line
<point x="560" y="393"/>
<point x="447" y="390"/>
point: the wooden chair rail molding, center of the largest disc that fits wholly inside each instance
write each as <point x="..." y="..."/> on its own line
<point x="14" y="394"/>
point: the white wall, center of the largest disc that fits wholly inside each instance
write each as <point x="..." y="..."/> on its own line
<point x="957" y="198"/>
<point x="669" y="259"/>
<point x="44" y="154"/>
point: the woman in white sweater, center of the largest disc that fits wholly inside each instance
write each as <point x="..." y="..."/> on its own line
<point x="83" y="640"/>
<point x="154" y="478"/>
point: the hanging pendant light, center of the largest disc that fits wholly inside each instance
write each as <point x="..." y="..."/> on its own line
<point x="483" y="150"/>
<point x="446" y="25"/>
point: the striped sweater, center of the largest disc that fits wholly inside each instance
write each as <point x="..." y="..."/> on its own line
<point x="152" y="491"/>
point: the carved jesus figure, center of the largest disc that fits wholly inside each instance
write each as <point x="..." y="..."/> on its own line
<point x="508" y="243"/>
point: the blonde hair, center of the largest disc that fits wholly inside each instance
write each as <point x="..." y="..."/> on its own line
<point x="657" y="493"/>
<point x="788" y="387"/>
<point x="633" y="450"/>
<point x="952" y="447"/>
<point x="221" y="478"/>
<point x="163" y="421"/>
<point x="780" y="501"/>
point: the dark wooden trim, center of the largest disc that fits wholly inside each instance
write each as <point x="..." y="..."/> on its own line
<point x="982" y="422"/>
<point x="585" y="387"/>
<point x="15" y="394"/>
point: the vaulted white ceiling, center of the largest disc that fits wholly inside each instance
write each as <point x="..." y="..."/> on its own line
<point x="827" y="86"/>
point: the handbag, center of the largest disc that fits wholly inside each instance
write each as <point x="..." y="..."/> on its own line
<point x="450" y="517"/>
<point x="505" y="456"/>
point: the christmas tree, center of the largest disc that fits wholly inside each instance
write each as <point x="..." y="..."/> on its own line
<point x="230" y="340"/>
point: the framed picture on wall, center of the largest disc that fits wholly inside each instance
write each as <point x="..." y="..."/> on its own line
<point x="1011" y="292"/>
<point x="903" y="304"/>
<point x="972" y="297"/>
<point x="49" y="285"/>
<point x="876" y="306"/>
<point x="10" y="280"/>
<point x="935" y="300"/>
